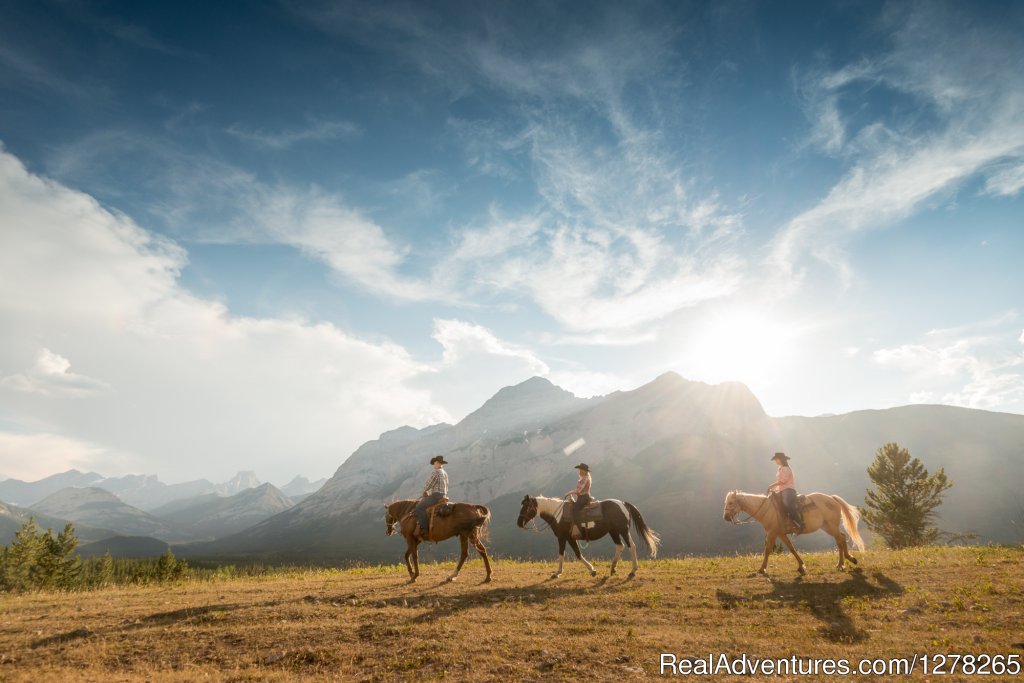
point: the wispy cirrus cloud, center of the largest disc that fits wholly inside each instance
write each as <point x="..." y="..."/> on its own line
<point x="314" y="131"/>
<point x="968" y="98"/>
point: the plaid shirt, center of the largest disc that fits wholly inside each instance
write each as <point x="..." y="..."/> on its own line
<point x="437" y="483"/>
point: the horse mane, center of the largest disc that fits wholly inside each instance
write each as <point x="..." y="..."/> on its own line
<point x="398" y="508"/>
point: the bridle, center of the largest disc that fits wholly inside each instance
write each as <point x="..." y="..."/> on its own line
<point x="532" y="525"/>
<point x="750" y="517"/>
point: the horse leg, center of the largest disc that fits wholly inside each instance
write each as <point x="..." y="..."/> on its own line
<point x="464" y="543"/>
<point x="487" y="563"/>
<point x="561" y="558"/>
<point x="408" y="564"/>
<point x="769" y="543"/>
<point x="416" y="559"/>
<point x="632" y="554"/>
<point x="618" y="551"/>
<point x="799" y="561"/>
<point x="576" y="549"/>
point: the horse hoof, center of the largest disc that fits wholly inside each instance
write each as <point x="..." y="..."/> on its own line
<point x="801" y="571"/>
<point x="762" y="572"/>
<point x="487" y="580"/>
<point x="632" y="575"/>
<point x="556" y="575"/>
<point x="593" y="572"/>
<point x="612" y="573"/>
<point x="852" y="559"/>
<point x="451" y="579"/>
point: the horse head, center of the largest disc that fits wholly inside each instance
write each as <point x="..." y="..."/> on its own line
<point x="527" y="512"/>
<point x="389" y="519"/>
<point x="732" y="506"/>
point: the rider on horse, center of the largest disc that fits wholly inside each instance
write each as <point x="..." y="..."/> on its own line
<point x="582" y="493"/>
<point x="785" y="484"/>
<point x="434" y="490"/>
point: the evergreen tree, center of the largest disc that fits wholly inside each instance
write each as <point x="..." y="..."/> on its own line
<point x="104" y="570"/>
<point x="165" y="566"/>
<point x="902" y="507"/>
<point x="22" y="557"/>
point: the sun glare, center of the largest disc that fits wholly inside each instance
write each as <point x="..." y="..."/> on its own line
<point x="742" y="346"/>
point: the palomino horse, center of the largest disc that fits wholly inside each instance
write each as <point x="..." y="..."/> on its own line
<point x="615" y="518"/>
<point x="824" y="514"/>
<point x="467" y="521"/>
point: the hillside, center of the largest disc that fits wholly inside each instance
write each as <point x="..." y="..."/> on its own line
<point x="12" y="518"/>
<point x="212" y="516"/>
<point x="672" y="446"/>
<point x="368" y="624"/>
<point x="97" y="507"/>
<point x="25" y="493"/>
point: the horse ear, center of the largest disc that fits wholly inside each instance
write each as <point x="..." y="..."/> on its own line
<point x="385" y="505"/>
<point x="526" y="498"/>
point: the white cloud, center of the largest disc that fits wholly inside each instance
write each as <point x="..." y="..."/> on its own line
<point x="192" y="386"/>
<point x="975" y="366"/>
<point x="1006" y="181"/>
<point x="30" y="457"/>
<point x="962" y="77"/>
<point x="51" y="376"/>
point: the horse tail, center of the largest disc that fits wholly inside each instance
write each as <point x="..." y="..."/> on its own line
<point x="650" y="538"/>
<point x="851" y="516"/>
<point x="482" y="524"/>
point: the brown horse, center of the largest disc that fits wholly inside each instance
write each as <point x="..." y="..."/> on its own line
<point x="825" y="513"/>
<point x="467" y="521"/>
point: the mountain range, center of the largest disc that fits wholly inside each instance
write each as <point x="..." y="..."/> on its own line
<point x="144" y="491"/>
<point x="673" y="447"/>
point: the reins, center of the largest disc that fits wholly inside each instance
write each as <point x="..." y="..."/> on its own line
<point x="750" y="517"/>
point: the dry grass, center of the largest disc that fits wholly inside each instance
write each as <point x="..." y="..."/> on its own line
<point x="369" y="625"/>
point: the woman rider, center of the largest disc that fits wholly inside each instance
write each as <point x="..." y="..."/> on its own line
<point x="582" y="493"/>
<point x="785" y="484"/>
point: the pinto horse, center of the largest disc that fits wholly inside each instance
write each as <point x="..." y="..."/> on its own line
<point x="615" y="519"/>
<point x="825" y="513"/>
<point x="467" y="521"/>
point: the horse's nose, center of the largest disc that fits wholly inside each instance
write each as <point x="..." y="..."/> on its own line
<point x="726" y="516"/>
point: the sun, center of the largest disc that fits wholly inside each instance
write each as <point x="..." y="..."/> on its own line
<point x="743" y="346"/>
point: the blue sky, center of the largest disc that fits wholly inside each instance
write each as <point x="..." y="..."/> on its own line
<point x="255" y="240"/>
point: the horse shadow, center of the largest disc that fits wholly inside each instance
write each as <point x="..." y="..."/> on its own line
<point x="535" y="594"/>
<point x="155" y="620"/>
<point x="822" y="600"/>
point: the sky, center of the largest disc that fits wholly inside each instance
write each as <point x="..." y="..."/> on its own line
<point x="254" y="237"/>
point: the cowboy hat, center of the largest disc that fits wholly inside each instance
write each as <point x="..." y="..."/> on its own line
<point x="437" y="458"/>
<point x="583" y="466"/>
<point x="783" y="456"/>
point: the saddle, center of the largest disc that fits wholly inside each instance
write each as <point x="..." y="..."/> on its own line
<point x="590" y="515"/>
<point x="802" y="503"/>
<point x="442" y="508"/>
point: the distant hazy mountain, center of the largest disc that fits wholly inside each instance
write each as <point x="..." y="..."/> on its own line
<point x="213" y="516"/>
<point x="24" y="493"/>
<point x="96" y="507"/>
<point x="144" y="491"/>
<point x="12" y="518"/>
<point x="238" y="483"/>
<point x="137" y="547"/>
<point x="300" y="487"/>
<point x="673" y="447"/>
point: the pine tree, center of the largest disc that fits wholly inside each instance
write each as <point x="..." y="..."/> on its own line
<point x="165" y="566"/>
<point x="902" y="508"/>
<point x="22" y="557"/>
<point x="104" y="570"/>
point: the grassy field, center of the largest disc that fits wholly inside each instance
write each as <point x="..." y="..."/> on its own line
<point x="368" y="624"/>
